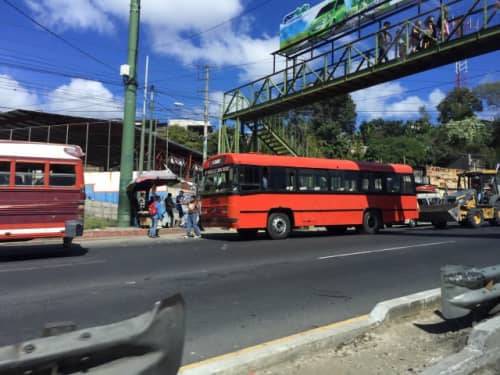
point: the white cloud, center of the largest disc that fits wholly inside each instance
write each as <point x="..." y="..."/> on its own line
<point x="78" y="98"/>
<point x="183" y="29"/>
<point x="387" y="101"/>
<point x="74" y="14"/>
<point x="84" y="98"/>
<point x="13" y="95"/>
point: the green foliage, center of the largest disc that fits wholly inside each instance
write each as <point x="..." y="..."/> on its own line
<point x="398" y="149"/>
<point x="184" y="137"/>
<point x="94" y="222"/>
<point x="325" y="128"/>
<point x="459" y="104"/>
<point x="490" y="93"/>
<point x="468" y="131"/>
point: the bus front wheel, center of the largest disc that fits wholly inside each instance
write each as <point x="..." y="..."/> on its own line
<point x="371" y="222"/>
<point x="67" y="242"/>
<point x="278" y="226"/>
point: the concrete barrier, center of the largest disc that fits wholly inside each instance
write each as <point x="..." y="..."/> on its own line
<point x="482" y="350"/>
<point x="286" y="349"/>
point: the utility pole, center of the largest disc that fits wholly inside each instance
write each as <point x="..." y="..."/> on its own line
<point x="150" y="130"/>
<point x="143" y="124"/>
<point x="128" y="132"/>
<point x="205" y="125"/>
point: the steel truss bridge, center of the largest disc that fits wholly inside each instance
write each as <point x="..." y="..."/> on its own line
<point x="348" y="61"/>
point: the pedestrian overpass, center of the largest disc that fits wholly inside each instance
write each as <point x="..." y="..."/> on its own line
<point x="352" y="60"/>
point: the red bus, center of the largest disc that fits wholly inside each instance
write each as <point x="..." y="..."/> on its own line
<point x="254" y="191"/>
<point x="41" y="191"/>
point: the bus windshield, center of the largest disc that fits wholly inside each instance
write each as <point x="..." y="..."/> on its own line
<point x="219" y="180"/>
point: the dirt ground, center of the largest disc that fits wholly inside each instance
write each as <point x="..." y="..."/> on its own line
<point x="406" y="346"/>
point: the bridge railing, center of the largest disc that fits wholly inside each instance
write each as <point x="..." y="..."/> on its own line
<point x="345" y="56"/>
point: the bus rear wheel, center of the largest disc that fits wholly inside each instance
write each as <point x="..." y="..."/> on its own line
<point x="371" y="222"/>
<point x="278" y="226"/>
<point x="247" y="234"/>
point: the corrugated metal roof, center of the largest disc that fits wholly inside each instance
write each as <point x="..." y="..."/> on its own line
<point x="55" y="128"/>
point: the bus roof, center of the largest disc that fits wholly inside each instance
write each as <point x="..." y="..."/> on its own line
<point x="303" y="162"/>
<point x="20" y="149"/>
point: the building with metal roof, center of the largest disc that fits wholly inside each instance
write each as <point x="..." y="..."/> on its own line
<point x="100" y="140"/>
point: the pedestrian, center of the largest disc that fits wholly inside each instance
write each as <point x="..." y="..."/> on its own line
<point x="142" y="201"/>
<point x="443" y="24"/>
<point x="179" y="201"/>
<point x="169" y="209"/>
<point x="192" y="218"/>
<point x="384" y="42"/>
<point x="416" y="37"/>
<point x="160" y="208"/>
<point x="134" y="208"/>
<point x="430" y="33"/>
<point x="153" y="214"/>
<point x="200" y="225"/>
<point x="402" y="44"/>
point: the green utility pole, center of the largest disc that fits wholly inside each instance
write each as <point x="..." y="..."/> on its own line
<point x="150" y="131"/>
<point x="143" y="123"/>
<point x="128" y="133"/>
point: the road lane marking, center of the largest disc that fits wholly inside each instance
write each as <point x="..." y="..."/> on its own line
<point x="50" y="266"/>
<point x="264" y="345"/>
<point x="384" y="250"/>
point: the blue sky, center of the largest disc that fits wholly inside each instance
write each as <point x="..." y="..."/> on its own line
<point x="233" y="37"/>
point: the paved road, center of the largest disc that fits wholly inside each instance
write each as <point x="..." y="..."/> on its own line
<point x="238" y="293"/>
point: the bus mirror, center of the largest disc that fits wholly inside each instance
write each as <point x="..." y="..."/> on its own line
<point x="74" y="151"/>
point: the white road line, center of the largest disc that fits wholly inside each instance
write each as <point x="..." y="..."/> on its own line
<point x="50" y="266"/>
<point x="384" y="250"/>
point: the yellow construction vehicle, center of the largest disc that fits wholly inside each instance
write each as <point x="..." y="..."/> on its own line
<point x="476" y="200"/>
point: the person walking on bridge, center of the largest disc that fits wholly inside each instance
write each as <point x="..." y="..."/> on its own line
<point x="384" y="42"/>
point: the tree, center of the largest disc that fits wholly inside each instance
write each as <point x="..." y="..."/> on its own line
<point x="490" y="93"/>
<point x="469" y="131"/>
<point x="459" y="104"/>
<point x="184" y="137"/>
<point x="326" y="128"/>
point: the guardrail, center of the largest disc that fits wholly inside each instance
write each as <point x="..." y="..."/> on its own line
<point x="150" y="343"/>
<point x="469" y="290"/>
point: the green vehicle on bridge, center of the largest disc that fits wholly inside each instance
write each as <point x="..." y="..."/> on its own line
<point x="326" y="18"/>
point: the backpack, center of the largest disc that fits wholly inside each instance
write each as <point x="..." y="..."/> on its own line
<point x="152" y="209"/>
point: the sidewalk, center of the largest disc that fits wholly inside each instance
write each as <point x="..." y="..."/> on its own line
<point x="110" y="233"/>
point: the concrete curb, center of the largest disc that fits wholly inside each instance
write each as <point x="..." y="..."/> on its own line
<point x="285" y="349"/>
<point x="119" y="232"/>
<point x="483" y="349"/>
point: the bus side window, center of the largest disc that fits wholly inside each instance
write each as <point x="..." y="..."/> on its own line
<point x="30" y="174"/>
<point x="321" y="180"/>
<point x="4" y="172"/>
<point x="62" y="175"/>
<point x="306" y="180"/>
<point x="337" y="181"/>
<point x="393" y="183"/>
<point x="249" y="178"/>
<point x="408" y="185"/>
<point x="292" y="180"/>
<point x="378" y="182"/>
<point x="366" y="181"/>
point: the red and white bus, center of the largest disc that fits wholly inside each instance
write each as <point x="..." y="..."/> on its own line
<point x="41" y="191"/>
<point x="254" y="191"/>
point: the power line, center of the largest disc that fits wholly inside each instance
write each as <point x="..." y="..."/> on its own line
<point x="67" y="42"/>
<point x="249" y="10"/>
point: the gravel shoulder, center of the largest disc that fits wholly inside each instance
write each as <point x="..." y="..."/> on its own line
<point x="406" y="346"/>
